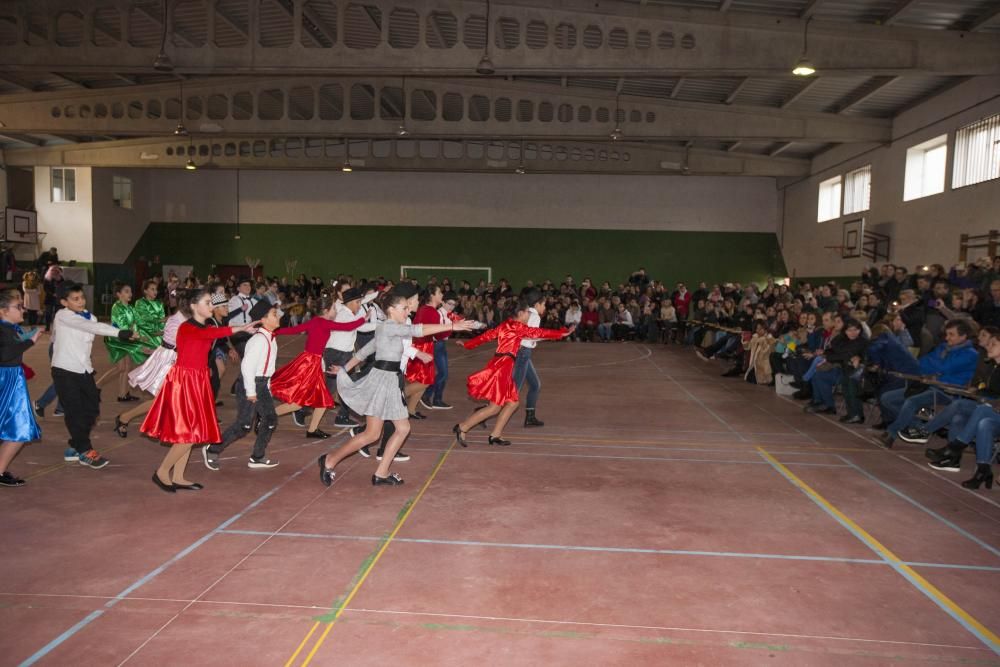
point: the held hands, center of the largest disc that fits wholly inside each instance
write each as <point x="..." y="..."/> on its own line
<point x="332" y="370"/>
<point x="570" y="331"/>
<point x="424" y="357"/>
<point x="464" y="325"/>
<point x="36" y="335"/>
<point x="250" y="328"/>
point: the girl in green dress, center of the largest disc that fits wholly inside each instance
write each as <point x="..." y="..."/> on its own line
<point x="150" y="316"/>
<point x="123" y="353"/>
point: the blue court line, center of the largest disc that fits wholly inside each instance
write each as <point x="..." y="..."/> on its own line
<point x="145" y="579"/>
<point x="901" y="568"/>
<point x="958" y="529"/>
<point x="627" y="550"/>
<point x="626" y="458"/>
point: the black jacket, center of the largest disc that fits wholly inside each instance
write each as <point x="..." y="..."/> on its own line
<point x="12" y="348"/>
<point x="842" y="349"/>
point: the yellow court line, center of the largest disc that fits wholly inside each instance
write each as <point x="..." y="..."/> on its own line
<point x="368" y="569"/>
<point x="983" y="633"/>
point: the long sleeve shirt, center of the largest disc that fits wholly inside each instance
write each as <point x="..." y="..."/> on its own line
<point x="318" y="331"/>
<point x="534" y="321"/>
<point x="510" y="334"/>
<point x="952" y="365"/>
<point x="258" y="360"/>
<point x="12" y="348"/>
<point x="194" y="340"/>
<point x="75" y="338"/>
<point x="426" y="315"/>
<point x="343" y="340"/>
<point x="239" y="309"/>
<point x="390" y="342"/>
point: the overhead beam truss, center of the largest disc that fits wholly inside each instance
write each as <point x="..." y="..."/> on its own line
<point x="406" y="154"/>
<point x="434" y="107"/>
<point x="565" y="38"/>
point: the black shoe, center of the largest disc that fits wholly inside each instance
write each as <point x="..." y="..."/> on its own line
<point x="947" y="463"/>
<point x="218" y="403"/>
<point x="417" y="415"/>
<point x="299" y="417"/>
<point x="391" y="480"/>
<point x="734" y="372"/>
<point x="856" y="419"/>
<point x="459" y="435"/>
<point x="530" y="420"/>
<point x="885" y="441"/>
<point x="127" y="398"/>
<point x="39" y="411"/>
<point x="194" y="486"/>
<point x="797" y="384"/>
<point x="319" y="434"/>
<point x="6" y="479"/>
<point x="325" y="474"/>
<point x="441" y="405"/>
<point x="121" y="428"/>
<point x="365" y="452"/>
<point x="499" y="441"/>
<point x="937" y="454"/>
<point x="344" y="422"/>
<point x="820" y="409"/>
<point x="802" y="395"/>
<point x="169" y="488"/>
<point x="400" y="457"/>
<point x="916" y="436"/>
<point x="984" y="475"/>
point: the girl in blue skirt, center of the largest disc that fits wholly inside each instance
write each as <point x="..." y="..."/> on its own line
<point x="17" y="420"/>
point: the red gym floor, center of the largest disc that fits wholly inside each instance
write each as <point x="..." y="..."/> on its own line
<point x="663" y="516"/>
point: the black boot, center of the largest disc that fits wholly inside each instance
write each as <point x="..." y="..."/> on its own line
<point x="806" y="393"/>
<point x="942" y="452"/>
<point x="984" y="475"/>
<point x="529" y="418"/>
<point x="950" y="460"/>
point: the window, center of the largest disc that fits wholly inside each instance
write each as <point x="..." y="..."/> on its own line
<point x="121" y="191"/>
<point x="63" y="184"/>
<point x="858" y="190"/>
<point x="925" y="165"/>
<point x="829" y="199"/>
<point x="977" y="153"/>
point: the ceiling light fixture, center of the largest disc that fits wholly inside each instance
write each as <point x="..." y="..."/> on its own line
<point x="236" y="236"/>
<point x="347" y="168"/>
<point x="804" y="66"/>
<point x="617" y="134"/>
<point x="401" y="131"/>
<point x="190" y="165"/>
<point x="485" y="66"/>
<point x="520" y="162"/>
<point x="163" y="63"/>
<point x="180" y="130"/>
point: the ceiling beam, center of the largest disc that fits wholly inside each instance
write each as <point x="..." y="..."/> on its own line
<point x="23" y="139"/>
<point x="737" y="90"/>
<point x="642" y="159"/>
<point x="733" y="146"/>
<point x="779" y="149"/>
<point x="676" y="90"/>
<point x="17" y="82"/>
<point x="799" y="93"/>
<point x="990" y="17"/>
<point x="865" y="92"/>
<point x="63" y="77"/>
<point x="669" y="119"/>
<point x="897" y="11"/>
<point x="188" y="41"/>
<point x="724" y="42"/>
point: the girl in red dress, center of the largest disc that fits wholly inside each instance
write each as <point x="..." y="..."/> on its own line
<point x="183" y="412"/>
<point x="495" y="383"/>
<point x="301" y="382"/>
<point x="420" y="371"/>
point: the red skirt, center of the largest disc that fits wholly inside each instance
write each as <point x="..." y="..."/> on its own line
<point x="495" y="383"/>
<point x="419" y="372"/>
<point x="184" y="409"/>
<point x="302" y="382"/>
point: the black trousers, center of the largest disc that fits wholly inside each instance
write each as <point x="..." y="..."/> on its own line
<point x="81" y="403"/>
<point x="332" y="357"/>
<point x="245" y="413"/>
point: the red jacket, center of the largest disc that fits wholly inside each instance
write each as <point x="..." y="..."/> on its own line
<point x="509" y="334"/>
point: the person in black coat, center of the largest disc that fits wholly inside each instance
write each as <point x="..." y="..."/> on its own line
<point x="844" y="349"/>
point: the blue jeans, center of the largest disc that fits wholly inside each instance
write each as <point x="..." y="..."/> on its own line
<point x="603" y="330"/>
<point x="50" y="393"/>
<point x="906" y="409"/>
<point x="952" y="416"/>
<point x="525" y="370"/>
<point x="982" y="426"/>
<point x="435" y="392"/>
<point x="823" y="383"/>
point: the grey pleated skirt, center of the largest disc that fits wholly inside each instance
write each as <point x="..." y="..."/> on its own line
<point x="377" y="394"/>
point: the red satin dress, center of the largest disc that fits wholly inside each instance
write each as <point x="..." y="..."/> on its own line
<point x="302" y="380"/>
<point x="416" y="370"/>
<point x="184" y="409"/>
<point x="495" y="383"/>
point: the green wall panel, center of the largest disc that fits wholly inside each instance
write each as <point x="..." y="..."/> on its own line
<point x="518" y="254"/>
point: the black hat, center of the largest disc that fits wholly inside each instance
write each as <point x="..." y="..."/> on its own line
<point x="351" y="294"/>
<point x="244" y="279"/>
<point x="260" y="309"/>
<point x="406" y="290"/>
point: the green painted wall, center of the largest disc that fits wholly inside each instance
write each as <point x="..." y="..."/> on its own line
<point x="518" y="254"/>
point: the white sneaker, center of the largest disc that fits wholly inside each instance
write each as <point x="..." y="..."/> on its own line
<point x="427" y="405"/>
<point x="263" y="463"/>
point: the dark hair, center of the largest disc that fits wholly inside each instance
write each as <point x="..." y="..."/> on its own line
<point x="7" y="297"/>
<point x="68" y="288"/>
<point x="532" y="297"/>
<point x="428" y="292"/>
<point x="523" y="305"/>
<point x="961" y="326"/>
<point x="147" y="283"/>
<point x="194" y="295"/>
<point x="850" y="322"/>
<point x="119" y="286"/>
<point x="393" y="298"/>
<point x="450" y="296"/>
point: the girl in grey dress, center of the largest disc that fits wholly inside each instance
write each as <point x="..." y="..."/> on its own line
<point x="378" y="395"/>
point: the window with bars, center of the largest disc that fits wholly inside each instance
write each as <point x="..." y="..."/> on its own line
<point x="858" y="190"/>
<point x="829" y="199"/>
<point x="977" y="153"/>
<point x="925" y="167"/>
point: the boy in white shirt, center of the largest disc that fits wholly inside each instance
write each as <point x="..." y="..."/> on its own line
<point x="253" y="391"/>
<point x="73" y="372"/>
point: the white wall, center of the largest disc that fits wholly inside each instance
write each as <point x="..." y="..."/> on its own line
<point x="116" y="230"/>
<point x="467" y="200"/>
<point x="68" y="225"/>
<point x="924" y="230"/>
